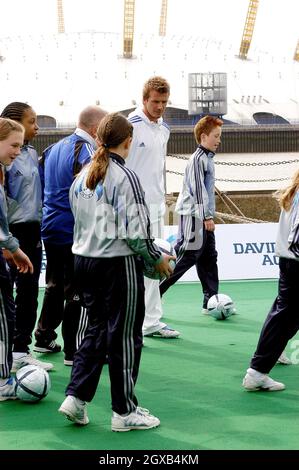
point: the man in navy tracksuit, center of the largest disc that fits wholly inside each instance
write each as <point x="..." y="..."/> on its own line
<point x="61" y="162"/>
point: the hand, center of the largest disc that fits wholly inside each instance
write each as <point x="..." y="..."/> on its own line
<point x="8" y="257"/>
<point x="209" y="225"/>
<point x="22" y="261"/>
<point x="164" y="269"/>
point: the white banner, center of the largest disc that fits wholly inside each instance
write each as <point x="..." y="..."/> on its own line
<point x="245" y="251"/>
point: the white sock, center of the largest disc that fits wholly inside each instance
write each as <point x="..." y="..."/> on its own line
<point x="254" y="372"/>
<point x="81" y="402"/>
<point x="17" y="355"/>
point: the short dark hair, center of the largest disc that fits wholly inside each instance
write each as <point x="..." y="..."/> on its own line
<point x="15" y="110"/>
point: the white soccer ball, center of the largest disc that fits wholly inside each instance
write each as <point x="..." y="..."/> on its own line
<point x="166" y="248"/>
<point x="32" y="383"/>
<point x="221" y="306"/>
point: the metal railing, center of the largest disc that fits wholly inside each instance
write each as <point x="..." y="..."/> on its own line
<point x="253" y="139"/>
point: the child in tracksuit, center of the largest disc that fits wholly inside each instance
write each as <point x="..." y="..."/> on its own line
<point x="196" y="208"/>
<point x="282" y="322"/>
<point x="24" y="201"/>
<point x="111" y="236"/>
<point x="11" y="140"/>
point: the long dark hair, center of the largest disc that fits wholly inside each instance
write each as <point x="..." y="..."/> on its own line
<point x="113" y="129"/>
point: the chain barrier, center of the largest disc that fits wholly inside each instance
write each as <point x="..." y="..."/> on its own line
<point x="283" y="162"/>
<point x="179" y="157"/>
<point x="247" y="164"/>
<point x="229" y="180"/>
<point x="175" y="172"/>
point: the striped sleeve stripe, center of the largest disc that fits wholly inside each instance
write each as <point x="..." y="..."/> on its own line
<point x="198" y="187"/>
<point x="89" y="149"/>
<point x="134" y="181"/>
<point x="166" y="125"/>
<point x="134" y="119"/>
<point x="144" y="217"/>
<point x="137" y="191"/>
<point x="143" y="213"/>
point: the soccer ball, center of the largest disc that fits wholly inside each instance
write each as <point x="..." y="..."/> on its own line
<point x="221" y="306"/>
<point x="166" y="248"/>
<point x="32" y="383"/>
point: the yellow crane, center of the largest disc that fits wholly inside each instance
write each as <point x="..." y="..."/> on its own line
<point x="248" y="29"/>
<point x="296" y="55"/>
<point x="60" y="17"/>
<point x="163" y="18"/>
<point x="129" y="13"/>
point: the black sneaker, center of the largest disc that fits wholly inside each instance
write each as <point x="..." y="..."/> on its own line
<point x="51" y="347"/>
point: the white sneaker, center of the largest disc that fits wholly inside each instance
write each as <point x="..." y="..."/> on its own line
<point x="205" y="311"/>
<point x="74" y="410"/>
<point x="8" y="390"/>
<point x="27" y="360"/>
<point x="254" y="381"/>
<point x="283" y="359"/>
<point x="68" y="362"/>
<point x="138" y="419"/>
<point x="165" y="332"/>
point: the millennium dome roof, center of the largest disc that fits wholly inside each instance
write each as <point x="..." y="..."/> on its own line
<point x="58" y="74"/>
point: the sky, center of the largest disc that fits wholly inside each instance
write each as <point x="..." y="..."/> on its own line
<point x="276" y="29"/>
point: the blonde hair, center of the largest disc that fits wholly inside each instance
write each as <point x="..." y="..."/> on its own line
<point x="158" y="84"/>
<point x="285" y="196"/>
<point x="7" y="126"/>
<point x="113" y="129"/>
<point x="205" y="125"/>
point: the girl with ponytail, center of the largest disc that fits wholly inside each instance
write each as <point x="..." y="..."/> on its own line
<point x="111" y="236"/>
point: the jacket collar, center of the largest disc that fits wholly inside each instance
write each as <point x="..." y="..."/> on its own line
<point x="144" y="117"/>
<point x="117" y="157"/>
<point x="209" y="153"/>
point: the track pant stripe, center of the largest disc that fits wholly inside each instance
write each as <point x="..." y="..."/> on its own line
<point x="83" y="321"/>
<point x="4" y="340"/>
<point x="128" y="339"/>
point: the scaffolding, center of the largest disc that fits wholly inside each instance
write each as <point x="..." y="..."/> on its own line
<point x="129" y="12"/>
<point x="163" y="18"/>
<point x="60" y="17"/>
<point x="248" y="29"/>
